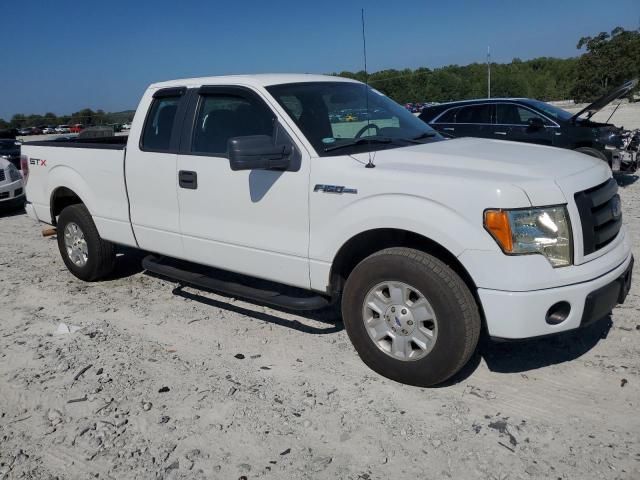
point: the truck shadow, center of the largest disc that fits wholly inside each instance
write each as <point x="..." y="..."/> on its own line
<point x="326" y="316"/>
<point x="527" y="355"/>
<point x="6" y="212"/>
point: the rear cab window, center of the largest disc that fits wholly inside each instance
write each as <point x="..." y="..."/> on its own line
<point x="160" y="123"/>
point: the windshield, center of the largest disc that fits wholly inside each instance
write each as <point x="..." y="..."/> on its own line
<point x="335" y="114"/>
<point x="554" y="112"/>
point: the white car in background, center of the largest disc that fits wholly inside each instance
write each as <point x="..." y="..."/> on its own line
<point x="63" y="129"/>
<point x="12" y="194"/>
<point x="126" y="127"/>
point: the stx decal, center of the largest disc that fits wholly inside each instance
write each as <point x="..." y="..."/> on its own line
<point x="38" y="162"/>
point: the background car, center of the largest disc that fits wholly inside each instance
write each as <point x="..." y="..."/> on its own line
<point x="12" y="194"/>
<point x="77" y="128"/>
<point x="49" y="130"/>
<point x="63" y="129"/>
<point x="10" y="151"/>
<point x="532" y="121"/>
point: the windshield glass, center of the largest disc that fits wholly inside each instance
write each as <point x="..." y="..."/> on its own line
<point x="554" y="112"/>
<point x="335" y="114"/>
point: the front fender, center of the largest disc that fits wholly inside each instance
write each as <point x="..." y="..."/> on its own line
<point x="415" y="214"/>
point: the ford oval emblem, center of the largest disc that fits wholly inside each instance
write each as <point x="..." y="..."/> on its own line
<point x="616" y="207"/>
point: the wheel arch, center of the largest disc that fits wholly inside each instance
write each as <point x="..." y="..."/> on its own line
<point x="62" y="197"/>
<point x="360" y="246"/>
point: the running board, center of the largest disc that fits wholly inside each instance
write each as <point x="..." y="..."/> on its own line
<point x="227" y="283"/>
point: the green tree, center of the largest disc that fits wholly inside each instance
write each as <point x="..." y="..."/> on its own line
<point x="609" y="60"/>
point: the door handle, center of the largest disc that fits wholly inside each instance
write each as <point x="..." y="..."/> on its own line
<point x="500" y="133"/>
<point x="448" y="128"/>
<point x="188" y="179"/>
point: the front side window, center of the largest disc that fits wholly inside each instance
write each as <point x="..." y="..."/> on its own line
<point x="512" y="114"/>
<point x="344" y="117"/>
<point x="221" y="117"/>
<point x="159" y="124"/>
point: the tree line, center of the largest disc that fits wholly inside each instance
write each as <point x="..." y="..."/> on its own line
<point x="608" y="59"/>
<point x="85" y="116"/>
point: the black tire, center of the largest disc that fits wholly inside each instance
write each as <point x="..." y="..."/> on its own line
<point x="453" y="304"/>
<point x="592" y="152"/>
<point x="101" y="255"/>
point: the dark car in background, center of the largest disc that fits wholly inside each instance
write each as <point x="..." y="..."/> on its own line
<point x="10" y="150"/>
<point x="533" y="121"/>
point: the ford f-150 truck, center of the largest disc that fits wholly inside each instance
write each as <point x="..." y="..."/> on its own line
<point x="253" y="186"/>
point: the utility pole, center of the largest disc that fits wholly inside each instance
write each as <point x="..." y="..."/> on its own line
<point x="488" y="72"/>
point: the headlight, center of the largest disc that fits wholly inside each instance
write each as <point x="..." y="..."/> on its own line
<point x="545" y="231"/>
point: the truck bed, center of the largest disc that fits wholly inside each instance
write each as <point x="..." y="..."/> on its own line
<point x="91" y="168"/>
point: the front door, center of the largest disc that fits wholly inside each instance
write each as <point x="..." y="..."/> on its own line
<point x="521" y="124"/>
<point x="251" y="222"/>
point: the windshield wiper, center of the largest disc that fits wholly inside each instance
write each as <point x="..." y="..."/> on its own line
<point x="359" y="141"/>
<point x="425" y="135"/>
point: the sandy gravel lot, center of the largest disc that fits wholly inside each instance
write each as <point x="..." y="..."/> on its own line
<point x="162" y="382"/>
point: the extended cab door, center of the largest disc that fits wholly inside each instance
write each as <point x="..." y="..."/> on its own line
<point x="151" y="171"/>
<point x="251" y="222"/>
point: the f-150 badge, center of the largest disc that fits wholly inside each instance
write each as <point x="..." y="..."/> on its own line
<point x="334" y="189"/>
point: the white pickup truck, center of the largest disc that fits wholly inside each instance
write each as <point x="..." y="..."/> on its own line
<point x="327" y="186"/>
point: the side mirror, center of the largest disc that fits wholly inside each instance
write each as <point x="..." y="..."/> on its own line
<point x="258" y="152"/>
<point x="535" y="123"/>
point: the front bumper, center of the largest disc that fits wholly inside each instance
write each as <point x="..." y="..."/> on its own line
<point x="515" y="315"/>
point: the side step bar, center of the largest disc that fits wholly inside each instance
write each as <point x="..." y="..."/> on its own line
<point x="228" y="283"/>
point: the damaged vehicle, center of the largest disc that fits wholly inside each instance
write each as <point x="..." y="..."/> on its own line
<point x="532" y="121"/>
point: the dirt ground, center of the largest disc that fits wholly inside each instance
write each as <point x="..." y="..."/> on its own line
<point x="164" y="382"/>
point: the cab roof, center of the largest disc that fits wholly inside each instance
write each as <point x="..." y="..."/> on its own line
<point x="257" y="80"/>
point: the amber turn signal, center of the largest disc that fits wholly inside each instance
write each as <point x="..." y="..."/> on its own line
<point x="497" y="222"/>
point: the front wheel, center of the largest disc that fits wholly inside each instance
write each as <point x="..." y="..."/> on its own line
<point x="410" y="317"/>
<point x="83" y="251"/>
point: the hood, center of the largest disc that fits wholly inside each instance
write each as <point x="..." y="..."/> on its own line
<point x="536" y="169"/>
<point x="606" y="99"/>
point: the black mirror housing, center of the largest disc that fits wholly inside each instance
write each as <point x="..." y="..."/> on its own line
<point x="536" y="123"/>
<point x="258" y="152"/>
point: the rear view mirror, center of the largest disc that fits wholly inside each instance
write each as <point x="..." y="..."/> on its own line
<point x="258" y="152"/>
<point x="535" y="123"/>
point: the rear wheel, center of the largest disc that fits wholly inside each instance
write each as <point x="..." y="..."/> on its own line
<point x="410" y="317"/>
<point x="85" y="254"/>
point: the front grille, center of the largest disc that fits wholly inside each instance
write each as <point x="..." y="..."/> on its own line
<point x="2" y="176"/>
<point x="4" y="195"/>
<point x="600" y="215"/>
<point x="17" y="193"/>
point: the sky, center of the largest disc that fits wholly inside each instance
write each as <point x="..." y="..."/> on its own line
<point x="65" y="56"/>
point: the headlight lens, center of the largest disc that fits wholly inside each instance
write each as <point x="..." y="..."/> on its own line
<point x="544" y="231"/>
